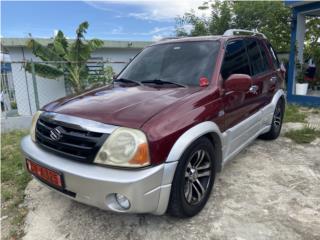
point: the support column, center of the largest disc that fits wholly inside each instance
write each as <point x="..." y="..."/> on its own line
<point x="291" y="70"/>
<point x="301" y="32"/>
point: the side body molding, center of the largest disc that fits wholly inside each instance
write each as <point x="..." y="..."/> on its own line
<point x="263" y="120"/>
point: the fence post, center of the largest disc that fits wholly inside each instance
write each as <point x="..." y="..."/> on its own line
<point x="35" y="88"/>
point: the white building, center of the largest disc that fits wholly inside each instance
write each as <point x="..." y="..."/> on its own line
<point x="118" y="52"/>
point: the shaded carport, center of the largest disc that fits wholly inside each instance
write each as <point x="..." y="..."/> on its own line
<point x="300" y="11"/>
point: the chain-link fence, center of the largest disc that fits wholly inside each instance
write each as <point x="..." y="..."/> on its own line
<point x="26" y="86"/>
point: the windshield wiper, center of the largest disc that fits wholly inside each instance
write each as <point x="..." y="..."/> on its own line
<point x="127" y="81"/>
<point x="160" y="82"/>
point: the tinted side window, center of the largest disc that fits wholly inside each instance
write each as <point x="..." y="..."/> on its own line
<point x="235" y="59"/>
<point x="273" y="56"/>
<point x="256" y="60"/>
<point x="264" y="55"/>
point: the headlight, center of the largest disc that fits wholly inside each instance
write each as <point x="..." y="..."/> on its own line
<point x="125" y="147"/>
<point x="33" y="125"/>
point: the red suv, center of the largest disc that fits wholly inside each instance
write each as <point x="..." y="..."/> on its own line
<point x="153" y="141"/>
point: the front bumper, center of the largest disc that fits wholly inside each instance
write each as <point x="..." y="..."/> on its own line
<point x="147" y="189"/>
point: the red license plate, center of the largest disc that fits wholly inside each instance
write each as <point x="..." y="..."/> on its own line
<point x="49" y="176"/>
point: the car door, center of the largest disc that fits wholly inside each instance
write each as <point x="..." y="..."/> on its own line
<point x="238" y="105"/>
<point x="261" y="73"/>
<point x="241" y="122"/>
<point x="276" y="80"/>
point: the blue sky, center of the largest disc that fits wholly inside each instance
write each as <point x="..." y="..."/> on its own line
<point x="114" y="20"/>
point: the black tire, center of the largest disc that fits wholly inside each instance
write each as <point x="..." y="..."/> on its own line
<point x="179" y="205"/>
<point x="276" y="122"/>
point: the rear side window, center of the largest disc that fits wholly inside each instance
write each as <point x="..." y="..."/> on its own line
<point x="264" y="55"/>
<point x="258" y="65"/>
<point x="274" y="57"/>
<point x="235" y="59"/>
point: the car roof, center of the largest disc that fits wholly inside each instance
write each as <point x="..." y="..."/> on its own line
<point x="202" y="38"/>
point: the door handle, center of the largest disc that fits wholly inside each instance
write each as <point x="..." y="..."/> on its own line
<point x="254" y="89"/>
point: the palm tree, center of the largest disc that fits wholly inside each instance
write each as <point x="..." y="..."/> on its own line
<point x="64" y="58"/>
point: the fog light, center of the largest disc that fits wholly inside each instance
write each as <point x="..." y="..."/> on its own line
<point x="122" y="201"/>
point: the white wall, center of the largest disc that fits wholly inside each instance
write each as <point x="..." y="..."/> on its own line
<point x="114" y="54"/>
<point x="48" y="89"/>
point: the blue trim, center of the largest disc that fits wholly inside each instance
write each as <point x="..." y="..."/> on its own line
<point x="290" y="3"/>
<point x="6" y="67"/>
<point x="307" y="7"/>
<point x="304" y="100"/>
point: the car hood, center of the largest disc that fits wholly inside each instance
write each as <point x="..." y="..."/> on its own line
<point x="120" y="104"/>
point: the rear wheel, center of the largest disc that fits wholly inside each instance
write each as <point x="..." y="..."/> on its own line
<point x="276" y="125"/>
<point x="193" y="180"/>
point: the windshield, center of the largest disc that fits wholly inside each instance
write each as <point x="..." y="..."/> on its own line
<point x="182" y="62"/>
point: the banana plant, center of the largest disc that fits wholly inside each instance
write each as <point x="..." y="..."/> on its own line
<point x="65" y="58"/>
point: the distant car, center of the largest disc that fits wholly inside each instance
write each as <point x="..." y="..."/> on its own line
<point x="153" y="141"/>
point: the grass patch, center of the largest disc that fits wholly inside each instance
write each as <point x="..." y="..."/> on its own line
<point x="301" y="136"/>
<point x="14" y="180"/>
<point x="293" y="114"/>
<point x="6" y="195"/>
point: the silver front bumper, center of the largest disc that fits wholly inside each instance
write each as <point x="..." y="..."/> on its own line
<point x="148" y="189"/>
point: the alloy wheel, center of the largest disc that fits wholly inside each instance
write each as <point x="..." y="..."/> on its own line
<point x="277" y="118"/>
<point x="197" y="176"/>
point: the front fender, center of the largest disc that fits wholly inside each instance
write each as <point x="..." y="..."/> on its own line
<point x="186" y="139"/>
<point x="207" y="128"/>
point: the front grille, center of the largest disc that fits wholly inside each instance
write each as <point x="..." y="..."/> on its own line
<point x="80" y="145"/>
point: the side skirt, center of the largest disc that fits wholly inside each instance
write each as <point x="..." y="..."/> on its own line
<point x="238" y="137"/>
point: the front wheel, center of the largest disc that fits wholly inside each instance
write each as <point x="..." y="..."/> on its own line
<point x="276" y="125"/>
<point x="193" y="180"/>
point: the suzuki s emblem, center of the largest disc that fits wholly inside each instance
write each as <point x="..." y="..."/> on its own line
<point x="55" y="134"/>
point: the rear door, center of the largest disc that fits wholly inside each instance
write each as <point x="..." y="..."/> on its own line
<point x="261" y="73"/>
<point x="277" y="80"/>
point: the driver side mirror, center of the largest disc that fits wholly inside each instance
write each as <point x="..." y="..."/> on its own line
<point x="238" y="83"/>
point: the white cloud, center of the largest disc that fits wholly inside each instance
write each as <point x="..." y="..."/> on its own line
<point x="101" y="5"/>
<point x="187" y="28"/>
<point x="156" y="10"/>
<point x="156" y="31"/>
<point x="167" y="9"/>
<point x="151" y="10"/>
<point x="117" y="30"/>
<point x="162" y="30"/>
<point x="157" y="37"/>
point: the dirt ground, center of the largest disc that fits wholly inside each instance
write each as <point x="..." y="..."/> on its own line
<point x="271" y="190"/>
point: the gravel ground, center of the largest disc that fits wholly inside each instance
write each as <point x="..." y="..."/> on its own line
<point x="271" y="190"/>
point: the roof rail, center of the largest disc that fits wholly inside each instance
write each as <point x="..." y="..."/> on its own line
<point x="232" y="32"/>
<point x="169" y="38"/>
